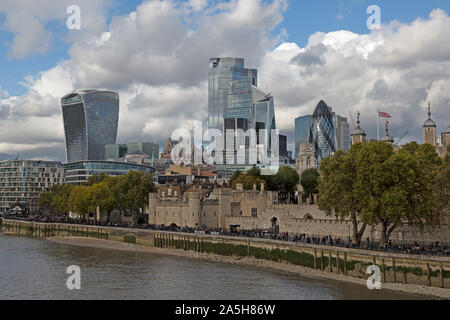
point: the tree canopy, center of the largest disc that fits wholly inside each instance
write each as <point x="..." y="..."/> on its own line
<point x="310" y="180"/>
<point x="373" y="185"/>
<point x="128" y="192"/>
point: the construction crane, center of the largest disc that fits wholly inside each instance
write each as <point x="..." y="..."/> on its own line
<point x="401" y="138"/>
<point x="353" y="121"/>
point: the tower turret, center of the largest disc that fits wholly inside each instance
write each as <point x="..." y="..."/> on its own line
<point x="358" y="135"/>
<point x="387" y="138"/>
<point x="429" y="129"/>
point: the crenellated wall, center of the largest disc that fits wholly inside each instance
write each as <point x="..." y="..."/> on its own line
<point x="235" y="208"/>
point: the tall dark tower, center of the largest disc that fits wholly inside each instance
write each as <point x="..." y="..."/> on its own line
<point x="358" y="135"/>
<point x="91" y="119"/>
<point x="429" y="129"/>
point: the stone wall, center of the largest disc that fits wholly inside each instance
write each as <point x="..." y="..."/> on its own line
<point x="230" y="208"/>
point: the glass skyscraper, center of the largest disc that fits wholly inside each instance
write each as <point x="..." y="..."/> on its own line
<point x="91" y="119"/>
<point x="328" y="132"/>
<point x="222" y="71"/>
<point x="322" y="132"/>
<point x="302" y="125"/>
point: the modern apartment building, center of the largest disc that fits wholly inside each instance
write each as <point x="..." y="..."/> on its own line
<point x="22" y="181"/>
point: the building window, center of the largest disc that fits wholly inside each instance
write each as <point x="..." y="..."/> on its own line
<point x="255" y="212"/>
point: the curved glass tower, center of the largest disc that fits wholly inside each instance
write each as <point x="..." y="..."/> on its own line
<point x="91" y="119"/>
<point x="322" y="131"/>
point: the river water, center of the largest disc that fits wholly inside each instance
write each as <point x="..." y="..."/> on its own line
<point x="36" y="269"/>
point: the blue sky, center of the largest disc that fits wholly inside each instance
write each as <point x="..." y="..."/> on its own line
<point x="302" y="19"/>
<point x="157" y="60"/>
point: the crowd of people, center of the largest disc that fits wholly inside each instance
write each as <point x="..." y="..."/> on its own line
<point x="436" y="248"/>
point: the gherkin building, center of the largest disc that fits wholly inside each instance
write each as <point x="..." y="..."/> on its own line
<point x="322" y="132"/>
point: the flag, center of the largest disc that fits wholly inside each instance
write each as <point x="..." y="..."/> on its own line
<point x="384" y="114"/>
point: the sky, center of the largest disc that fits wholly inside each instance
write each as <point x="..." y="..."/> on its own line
<point x="155" y="54"/>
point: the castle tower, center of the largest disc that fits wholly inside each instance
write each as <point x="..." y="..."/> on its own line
<point x="387" y="138"/>
<point x="306" y="158"/>
<point x="429" y="129"/>
<point x="358" y="135"/>
<point x="446" y="137"/>
<point x="195" y="209"/>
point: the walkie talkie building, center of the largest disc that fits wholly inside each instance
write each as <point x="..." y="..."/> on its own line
<point x="91" y="119"/>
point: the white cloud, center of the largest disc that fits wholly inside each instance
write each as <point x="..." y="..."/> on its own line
<point x="395" y="69"/>
<point x="158" y="62"/>
<point x="27" y="21"/>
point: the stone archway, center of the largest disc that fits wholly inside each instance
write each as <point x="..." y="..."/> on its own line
<point x="308" y="217"/>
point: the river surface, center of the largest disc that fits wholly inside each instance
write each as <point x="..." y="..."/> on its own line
<point x="36" y="269"/>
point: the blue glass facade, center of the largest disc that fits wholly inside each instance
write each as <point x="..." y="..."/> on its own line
<point x="222" y="71"/>
<point x="302" y="126"/>
<point x="78" y="173"/>
<point x="322" y="132"/>
<point x="91" y="120"/>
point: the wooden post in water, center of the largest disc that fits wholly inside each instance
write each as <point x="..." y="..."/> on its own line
<point x="331" y="262"/>
<point x="428" y="275"/>
<point x="383" y="266"/>
<point x="393" y="268"/>
<point x="248" y="247"/>
<point x="442" y="275"/>
<point x="345" y="263"/>
<point x="337" y="261"/>
<point x="404" y="275"/>
<point x="315" y="258"/>
<point x="321" y="261"/>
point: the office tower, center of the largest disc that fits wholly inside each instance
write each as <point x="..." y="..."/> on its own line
<point x="22" y="181"/>
<point x="78" y="173"/>
<point x="115" y="151"/>
<point x="91" y="119"/>
<point x="283" y="146"/>
<point x="149" y="148"/>
<point x="322" y="131"/>
<point x="302" y="125"/>
<point x="342" y="132"/>
<point x="222" y="71"/>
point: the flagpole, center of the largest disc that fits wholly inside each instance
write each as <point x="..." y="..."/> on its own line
<point x="378" y="125"/>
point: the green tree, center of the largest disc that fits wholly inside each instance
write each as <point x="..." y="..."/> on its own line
<point x="287" y="179"/>
<point x="235" y="175"/>
<point x="96" y="178"/>
<point x="248" y="182"/>
<point x="309" y="181"/>
<point x="396" y="188"/>
<point x="338" y="192"/>
<point x="254" y="172"/>
<point x="45" y="201"/>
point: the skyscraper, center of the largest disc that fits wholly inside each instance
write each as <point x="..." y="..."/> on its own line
<point x="91" y="119"/>
<point x="342" y="132"/>
<point x="302" y="125"/>
<point x="222" y="71"/>
<point x="322" y="132"/>
<point x="328" y="132"/>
